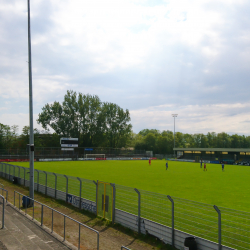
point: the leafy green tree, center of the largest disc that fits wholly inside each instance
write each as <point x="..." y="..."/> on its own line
<point x="115" y="125"/>
<point x="212" y="139"/>
<point x="90" y="109"/>
<point x="86" y="117"/>
<point x="150" y="142"/>
<point x="179" y="140"/>
<point x="189" y="141"/>
<point x="8" y="136"/>
<point x="223" y="140"/>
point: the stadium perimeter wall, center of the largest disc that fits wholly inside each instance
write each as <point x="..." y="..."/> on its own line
<point x="167" y="234"/>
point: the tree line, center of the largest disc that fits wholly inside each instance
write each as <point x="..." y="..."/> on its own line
<point x="105" y="124"/>
<point x="160" y="142"/>
<point x="163" y="142"/>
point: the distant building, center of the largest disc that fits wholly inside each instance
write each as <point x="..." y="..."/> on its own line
<point x="228" y="155"/>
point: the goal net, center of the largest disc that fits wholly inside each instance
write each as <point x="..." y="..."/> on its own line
<point x="95" y="156"/>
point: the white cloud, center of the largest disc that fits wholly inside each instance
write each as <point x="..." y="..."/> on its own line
<point x="229" y="118"/>
<point x="190" y="57"/>
<point x="20" y="119"/>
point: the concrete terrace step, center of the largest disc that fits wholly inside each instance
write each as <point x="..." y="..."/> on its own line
<point x="22" y="234"/>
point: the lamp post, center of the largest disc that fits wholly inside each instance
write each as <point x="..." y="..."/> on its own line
<point x="31" y="140"/>
<point x="174" y="115"/>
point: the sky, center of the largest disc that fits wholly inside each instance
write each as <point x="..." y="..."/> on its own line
<point x="153" y="57"/>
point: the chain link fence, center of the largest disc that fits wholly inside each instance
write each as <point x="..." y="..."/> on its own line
<point x="196" y="217"/>
<point x="148" y="212"/>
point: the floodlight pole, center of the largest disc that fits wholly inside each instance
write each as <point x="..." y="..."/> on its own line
<point x="174" y="115"/>
<point x="31" y="140"/>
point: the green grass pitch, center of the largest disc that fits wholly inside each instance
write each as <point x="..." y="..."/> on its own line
<point x="184" y="180"/>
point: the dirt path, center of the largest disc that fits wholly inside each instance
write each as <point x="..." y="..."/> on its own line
<point x="111" y="237"/>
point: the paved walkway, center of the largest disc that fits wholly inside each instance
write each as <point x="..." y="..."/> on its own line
<point x="22" y="234"/>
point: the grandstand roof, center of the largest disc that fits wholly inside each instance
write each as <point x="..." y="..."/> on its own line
<point x="214" y="149"/>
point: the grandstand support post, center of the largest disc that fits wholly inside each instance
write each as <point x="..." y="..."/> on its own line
<point x="24" y="171"/>
<point x="96" y="193"/>
<point x="139" y="210"/>
<point x="113" y="207"/>
<point x="67" y="185"/>
<point x="80" y="192"/>
<point x="55" y="184"/>
<point x="169" y="197"/>
<point x="219" y="226"/>
<point x="46" y="179"/>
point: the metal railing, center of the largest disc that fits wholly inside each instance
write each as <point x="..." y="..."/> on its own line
<point x="52" y="224"/>
<point x="6" y="193"/>
<point x="123" y="247"/>
<point x="2" y="212"/>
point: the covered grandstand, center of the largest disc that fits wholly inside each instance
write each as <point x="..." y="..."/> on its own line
<point x="216" y="155"/>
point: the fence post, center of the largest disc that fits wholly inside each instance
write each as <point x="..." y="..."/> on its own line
<point x="3" y="213"/>
<point x="219" y="226"/>
<point x="113" y="208"/>
<point x="37" y="183"/>
<point x="9" y="171"/>
<point x="169" y="197"/>
<point x="19" y="175"/>
<point x="96" y="194"/>
<point x="80" y="192"/>
<point x="45" y="182"/>
<point x="55" y="184"/>
<point x="139" y="210"/>
<point x="14" y="171"/>
<point x="42" y="215"/>
<point x="24" y="174"/>
<point x="67" y="184"/>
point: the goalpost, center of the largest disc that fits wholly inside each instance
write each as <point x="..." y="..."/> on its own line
<point x="95" y="156"/>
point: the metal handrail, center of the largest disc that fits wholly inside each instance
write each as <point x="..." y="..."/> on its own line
<point x="2" y="185"/>
<point x="6" y="193"/>
<point x="65" y="216"/>
<point x="3" y="212"/>
<point x="123" y="247"/>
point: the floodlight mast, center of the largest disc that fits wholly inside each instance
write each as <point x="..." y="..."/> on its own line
<point x="31" y="139"/>
<point x="174" y="115"/>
